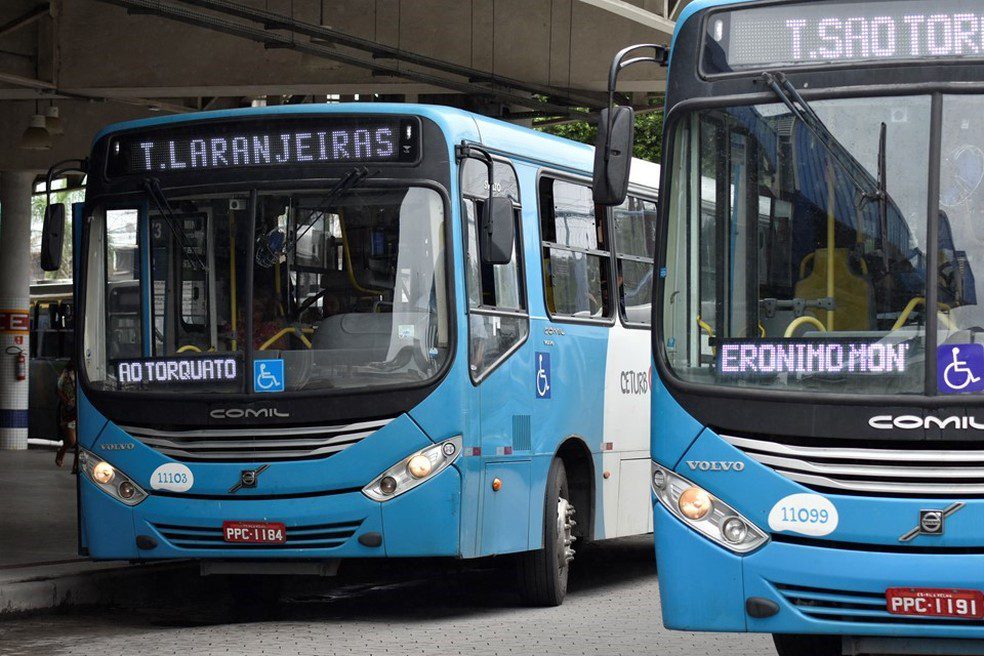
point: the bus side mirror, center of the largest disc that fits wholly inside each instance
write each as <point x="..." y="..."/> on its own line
<point x="498" y="231"/>
<point x="53" y="236"/>
<point x="613" y="155"/>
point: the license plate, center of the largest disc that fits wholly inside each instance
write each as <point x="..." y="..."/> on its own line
<point x="935" y="602"/>
<point x="254" y="532"/>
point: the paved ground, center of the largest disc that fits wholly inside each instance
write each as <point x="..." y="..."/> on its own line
<point x="612" y="609"/>
<point x="37" y="508"/>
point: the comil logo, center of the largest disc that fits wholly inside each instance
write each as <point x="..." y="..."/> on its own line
<point x="248" y="413"/>
<point x="912" y="422"/>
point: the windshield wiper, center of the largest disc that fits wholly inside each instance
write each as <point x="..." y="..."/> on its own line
<point x="153" y="188"/>
<point x="352" y="179"/>
<point x="801" y="110"/>
<point x="881" y="194"/>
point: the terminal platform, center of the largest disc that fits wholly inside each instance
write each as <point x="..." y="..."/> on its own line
<point x="39" y="563"/>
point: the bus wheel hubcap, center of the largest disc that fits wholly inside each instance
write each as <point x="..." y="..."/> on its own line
<point x="565" y="532"/>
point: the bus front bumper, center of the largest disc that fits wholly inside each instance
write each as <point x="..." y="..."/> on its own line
<point x="422" y="522"/>
<point x="818" y="590"/>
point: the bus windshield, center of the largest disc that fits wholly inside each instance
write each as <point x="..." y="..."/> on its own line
<point x="794" y="259"/>
<point x="323" y="290"/>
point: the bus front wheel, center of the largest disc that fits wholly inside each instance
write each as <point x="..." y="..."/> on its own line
<point x="807" y="645"/>
<point x="543" y="573"/>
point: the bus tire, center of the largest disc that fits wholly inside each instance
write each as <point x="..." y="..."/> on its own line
<point x="543" y="573"/>
<point x="807" y="645"/>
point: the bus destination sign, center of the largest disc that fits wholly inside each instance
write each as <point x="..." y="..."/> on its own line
<point x="312" y="141"/>
<point x="816" y="357"/>
<point x="177" y="371"/>
<point x="813" y="33"/>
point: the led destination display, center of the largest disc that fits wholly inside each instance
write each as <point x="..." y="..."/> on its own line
<point x="833" y="32"/>
<point x="763" y="358"/>
<point x="265" y="144"/>
<point x="177" y="371"/>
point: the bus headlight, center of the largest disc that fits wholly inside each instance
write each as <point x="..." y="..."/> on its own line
<point x="413" y="470"/>
<point x="705" y="513"/>
<point x="109" y="479"/>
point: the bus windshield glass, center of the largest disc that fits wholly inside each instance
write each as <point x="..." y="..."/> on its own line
<point x="325" y="290"/>
<point x="795" y="260"/>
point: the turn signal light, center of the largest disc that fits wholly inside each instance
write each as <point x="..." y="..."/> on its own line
<point x="695" y="503"/>
<point x="103" y="473"/>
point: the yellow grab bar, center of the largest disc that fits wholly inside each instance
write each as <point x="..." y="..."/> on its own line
<point x="705" y="326"/>
<point x="916" y="302"/>
<point x="800" y="321"/>
<point x="289" y="329"/>
<point x="189" y="347"/>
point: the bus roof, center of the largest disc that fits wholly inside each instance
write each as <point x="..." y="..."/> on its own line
<point x="696" y="6"/>
<point x="457" y="124"/>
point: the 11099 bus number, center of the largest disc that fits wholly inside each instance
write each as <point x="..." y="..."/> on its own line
<point x="807" y="514"/>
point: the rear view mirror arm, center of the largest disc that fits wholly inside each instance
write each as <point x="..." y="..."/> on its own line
<point x="78" y="165"/>
<point x="465" y="150"/>
<point x="660" y="56"/>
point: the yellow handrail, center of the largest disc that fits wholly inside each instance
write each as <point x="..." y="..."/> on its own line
<point x="289" y="329"/>
<point x="799" y="321"/>
<point x="916" y="302"/>
<point x="189" y="347"/>
<point x="706" y="327"/>
<point x="348" y="260"/>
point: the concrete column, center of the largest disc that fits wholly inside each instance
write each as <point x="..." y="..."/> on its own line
<point x="15" y="290"/>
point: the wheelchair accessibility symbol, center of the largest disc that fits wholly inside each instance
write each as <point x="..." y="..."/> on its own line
<point x="268" y="375"/>
<point x="542" y="375"/>
<point x="960" y="368"/>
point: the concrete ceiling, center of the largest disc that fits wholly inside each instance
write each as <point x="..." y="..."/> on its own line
<point x="101" y="62"/>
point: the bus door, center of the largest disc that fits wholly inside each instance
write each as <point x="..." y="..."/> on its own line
<point x="499" y="366"/>
<point x="182" y="291"/>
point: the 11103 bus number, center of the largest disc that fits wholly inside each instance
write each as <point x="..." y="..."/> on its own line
<point x="173" y="477"/>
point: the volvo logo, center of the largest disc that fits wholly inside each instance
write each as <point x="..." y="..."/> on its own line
<point x="914" y="422"/>
<point x="931" y="522"/>
<point x="117" y="446"/>
<point x="247" y="478"/>
<point x="248" y="413"/>
<point x="716" y="465"/>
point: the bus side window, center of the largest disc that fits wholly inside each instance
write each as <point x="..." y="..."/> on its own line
<point x="577" y="261"/>
<point x="635" y="250"/>
<point x="497" y="320"/>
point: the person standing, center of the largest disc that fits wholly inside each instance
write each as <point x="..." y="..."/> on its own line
<point x="67" y="415"/>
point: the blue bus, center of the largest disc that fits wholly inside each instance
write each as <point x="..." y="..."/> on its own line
<point x="817" y="455"/>
<point x="326" y="332"/>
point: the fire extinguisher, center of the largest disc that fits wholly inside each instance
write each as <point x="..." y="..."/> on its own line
<point x="20" y="363"/>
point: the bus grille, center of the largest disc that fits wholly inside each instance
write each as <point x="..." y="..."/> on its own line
<point x="314" y="536"/>
<point x="248" y="444"/>
<point x="905" y="472"/>
<point x="851" y="606"/>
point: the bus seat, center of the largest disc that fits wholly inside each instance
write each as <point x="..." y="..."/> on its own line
<point x="369" y="330"/>
<point x="853" y="291"/>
